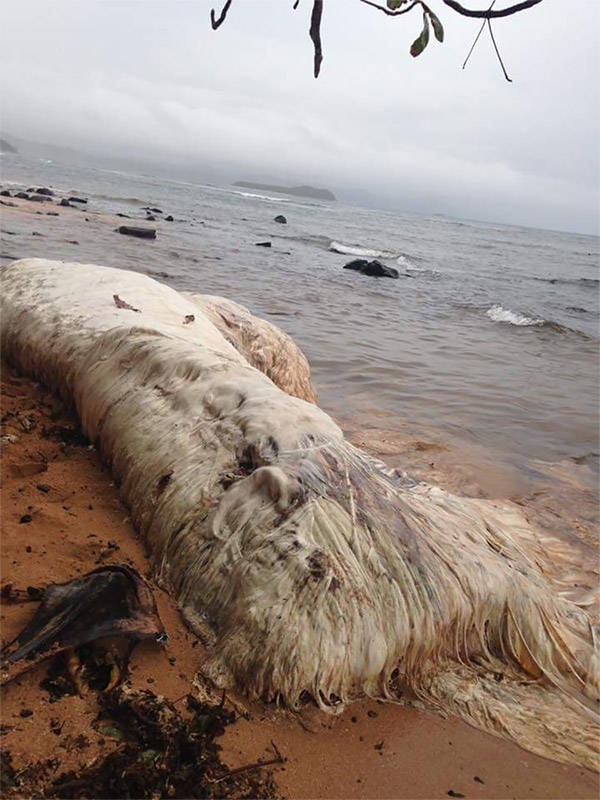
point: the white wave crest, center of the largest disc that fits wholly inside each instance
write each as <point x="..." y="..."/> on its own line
<point x="354" y="250"/>
<point x="500" y="314"/>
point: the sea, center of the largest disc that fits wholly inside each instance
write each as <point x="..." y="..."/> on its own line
<point x="487" y="342"/>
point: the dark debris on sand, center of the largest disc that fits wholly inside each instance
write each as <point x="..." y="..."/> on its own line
<point x="159" y="752"/>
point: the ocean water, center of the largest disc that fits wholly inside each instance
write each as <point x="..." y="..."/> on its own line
<point x="489" y="337"/>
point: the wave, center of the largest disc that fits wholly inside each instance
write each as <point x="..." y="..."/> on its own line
<point x="590" y="283"/>
<point x="262" y="197"/>
<point x="357" y="250"/>
<point x="499" y="314"/>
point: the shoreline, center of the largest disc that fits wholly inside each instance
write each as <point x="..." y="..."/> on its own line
<point x="68" y="535"/>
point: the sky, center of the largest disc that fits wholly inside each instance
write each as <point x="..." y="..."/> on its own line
<point x="152" y="80"/>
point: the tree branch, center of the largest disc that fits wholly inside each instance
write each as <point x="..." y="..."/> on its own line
<point x="315" y="33"/>
<point x="388" y="11"/>
<point x="487" y="13"/>
<point x="218" y="22"/>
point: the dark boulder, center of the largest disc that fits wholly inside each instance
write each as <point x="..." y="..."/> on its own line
<point x="373" y="268"/>
<point x="156" y="211"/>
<point x="119" y="214"/>
<point x="22" y="195"/>
<point x="46" y="191"/>
<point x="263" y="244"/>
<point x="40" y="198"/>
<point x="5" y="193"/>
<point x="151" y="217"/>
<point x="52" y="214"/>
<point x="280" y="218"/>
<point x="141" y="233"/>
<point x="169" y="219"/>
<point x="77" y="200"/>
<point x="65" y="202"/>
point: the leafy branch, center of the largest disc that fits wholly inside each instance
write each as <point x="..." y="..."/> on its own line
<point x="397" y="8"/>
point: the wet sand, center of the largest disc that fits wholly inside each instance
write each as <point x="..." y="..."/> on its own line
<point x="77" y="522"/>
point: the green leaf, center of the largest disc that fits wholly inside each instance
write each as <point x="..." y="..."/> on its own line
<point x="394" y="4"/>
<point x="420" y="44"/>
<point x="438" y="28"/>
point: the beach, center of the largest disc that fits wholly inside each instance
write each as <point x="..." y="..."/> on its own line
<point x="77" y="522"/>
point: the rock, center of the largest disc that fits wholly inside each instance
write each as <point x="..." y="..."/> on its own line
<point x="280" y="218"/>
<point x="46" y="191"/>
<point x="150" y="217"/>
<point x="5" y="193"/>
<point x="22" y="195"/>
<point x="52" y="214"/>
<point x="65" y="202"/>
<point x="169" y="219"/>
<point x="126" y="216"/>
<point x="77" y="200"/>
<point x="39" y="198"/>
<point x="373" y="268"/>
<point x="263" y="244"/>
<point x="156" y="210"/>
<point x="141" y="233"/>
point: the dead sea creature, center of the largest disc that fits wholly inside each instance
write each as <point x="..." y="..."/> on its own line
<point x="306" y="566"/>
<point x="107" y="602"/>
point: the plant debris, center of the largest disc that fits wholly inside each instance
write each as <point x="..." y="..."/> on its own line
<point x="159" y="752"/>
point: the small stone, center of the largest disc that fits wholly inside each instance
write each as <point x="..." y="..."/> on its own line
<point x="25" y="712"/>
<point x="25" y="519"/>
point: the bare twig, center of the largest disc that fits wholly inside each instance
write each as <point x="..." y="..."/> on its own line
<point x="489" y="24"/>
<point x="315" y="34"/>
<point x="295" y="6"/>
<point x="477" y="38"/>
<point x="218" y="22"/>
<point x="488" y="13"/>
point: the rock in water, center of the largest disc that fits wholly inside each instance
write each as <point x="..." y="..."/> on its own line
<point x="373" y="268"/>
<point x="281" y="219"/>
<point x="22" y="195"/>
<point x="64" y="202"/>
<point x="169" y="218"/>
<point x="46" y="191"/>
<point x="312" y="568"/>
<point x="141" y="233"/>
<point x="77" y="200"/>
<point x="263" y="244"/>
<point x="5" y="193"/>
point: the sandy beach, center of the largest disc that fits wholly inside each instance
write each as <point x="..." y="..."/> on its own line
<point x="62" y="517"/>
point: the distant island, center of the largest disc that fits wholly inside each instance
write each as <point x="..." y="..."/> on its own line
<point x="297" y="191"/>
<point x="6" y="147"/>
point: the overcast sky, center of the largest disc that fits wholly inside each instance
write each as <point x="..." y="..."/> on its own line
<point x="413" y="134"/>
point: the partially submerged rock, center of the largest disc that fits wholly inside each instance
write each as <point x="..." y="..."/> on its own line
<point x="281" y="219"/>
<point x="374" y="268"/>
<point x="263" y="244"/>
<point x="140" y="233"/>
<point x="77" y="200"/>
